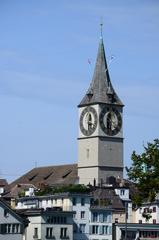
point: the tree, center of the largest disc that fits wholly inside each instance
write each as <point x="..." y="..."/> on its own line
<point x="144" y="172"/>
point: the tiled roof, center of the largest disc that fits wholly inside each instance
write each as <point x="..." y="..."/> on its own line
<point x="109" y="195"/>
<point x="101" y="89"/>
<point x="50" y="175"/>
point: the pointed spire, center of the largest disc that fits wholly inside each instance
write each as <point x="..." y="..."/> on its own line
<point x="101" y="89"/>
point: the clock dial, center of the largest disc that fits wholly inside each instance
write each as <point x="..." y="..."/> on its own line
<point x="88" y="121"/>
<point x="110" y="121"/>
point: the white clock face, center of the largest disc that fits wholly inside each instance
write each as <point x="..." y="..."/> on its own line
<point x="88" y="121"/>
<point x="110" y="121"/>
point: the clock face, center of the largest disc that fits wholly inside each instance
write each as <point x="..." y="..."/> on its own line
<point x="110" y="121"/>
<point x="88" y="121"/>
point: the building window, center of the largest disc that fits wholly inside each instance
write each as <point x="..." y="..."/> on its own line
<point x="140" y="221"/>
<point x="10" y="228"/>
<point x="75" y="228"/>
<point x="95" y="217"/>
<point x="63" y="220"/>
<point x="82" y="201"/>
<point x="14" y="228"/>
<point x="122" y="192"/>
<point x="74" y="215"/>
<point x="154" y="221"/>
<point x="116" y="220"/>
<point x="105" y="217"/>
<point x="104" y="230"/>
<point x="49" y="232"/>
<point x="35" y="233"/>
<point x="95" y="229"/>
<point x="154" y="209"/>
<point x="6" y="214"/>
<point x="63" y="233"/>
<point x="148" y="234"/>
<point x="146" y="210"/>
<point x="74" y="201"/>
<point x="82" y="228"/>
<point x="83" y="214"/>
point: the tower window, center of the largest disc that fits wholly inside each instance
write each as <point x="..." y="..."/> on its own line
<point x="87" y="152"/>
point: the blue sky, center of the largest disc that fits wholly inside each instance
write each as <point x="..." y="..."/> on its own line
<point x="44" y="73"/>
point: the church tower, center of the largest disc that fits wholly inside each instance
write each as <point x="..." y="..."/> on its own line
<point x="100" y="141"/>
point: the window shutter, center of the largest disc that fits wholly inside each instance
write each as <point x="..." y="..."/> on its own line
<point x="21" y="228"/>
<point x="2" y="228"/>
<point x="110" y="230"/>
<point x="100" y="230"/>
<point x="90" y="229"/>
<point x="101" y="217"/>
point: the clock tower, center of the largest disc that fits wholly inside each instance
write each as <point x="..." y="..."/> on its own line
<point x="100" y="140"/>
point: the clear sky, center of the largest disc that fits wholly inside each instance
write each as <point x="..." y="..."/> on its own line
<point x="44" y="73"/>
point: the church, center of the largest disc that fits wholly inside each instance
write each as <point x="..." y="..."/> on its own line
<point x="100" y="137"/>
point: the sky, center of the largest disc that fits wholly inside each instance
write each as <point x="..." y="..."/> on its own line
<point x="44" y="74"/>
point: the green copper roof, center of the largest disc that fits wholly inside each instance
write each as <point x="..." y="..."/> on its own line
<point x="101" y="89"/>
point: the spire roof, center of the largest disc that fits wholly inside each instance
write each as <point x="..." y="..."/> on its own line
<point x="101" y="89"/>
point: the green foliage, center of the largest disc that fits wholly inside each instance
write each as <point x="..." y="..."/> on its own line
<point x="147" y="216"/>
<point x="72" y="189"/>
<point x="62" y="189"/>
<point x="145" y="173"/>
<point x="43" y="191"/>
<point x="21" y="193"/>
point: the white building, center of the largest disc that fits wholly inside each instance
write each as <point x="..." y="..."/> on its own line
<point x="49" y="224"/>
<point x="12" y="225"/>
<point x="147" y="209"/>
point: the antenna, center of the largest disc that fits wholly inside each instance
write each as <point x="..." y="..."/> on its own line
<point x="101" y="28"/>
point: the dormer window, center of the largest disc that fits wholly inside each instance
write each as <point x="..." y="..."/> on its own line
<point x="6" y="213"/>
<point x="122" y="192"/>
